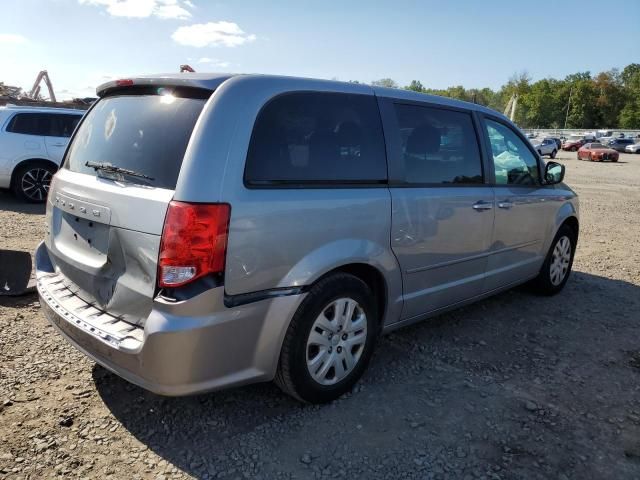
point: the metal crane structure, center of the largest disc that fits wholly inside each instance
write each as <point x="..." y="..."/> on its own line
<point x="34" y="93"/>
<point x="510" y="110"/>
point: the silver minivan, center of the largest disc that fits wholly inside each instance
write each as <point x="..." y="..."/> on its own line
<point x="208" y="231"/>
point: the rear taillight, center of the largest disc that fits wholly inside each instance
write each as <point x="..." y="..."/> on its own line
<point x="194" y="242"/>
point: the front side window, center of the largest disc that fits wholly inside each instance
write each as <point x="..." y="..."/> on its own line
<point x="514" y="163"/>
<point x="438" y="146"/>
<point x="317" y="137"/>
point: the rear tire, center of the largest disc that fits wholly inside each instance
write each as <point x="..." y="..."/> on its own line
<point x="329" y="341"/>
<point x="574" y="149"/>
<point x="32" y="180"/>
<point x="556" y="268"/>
<point x="553" y="154"/>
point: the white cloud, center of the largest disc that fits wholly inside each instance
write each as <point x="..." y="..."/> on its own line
<point x="212" y="34"/>
<point x="214" y="62"/>
<point x="144" y="8"/>
<point x="12" y="38"/>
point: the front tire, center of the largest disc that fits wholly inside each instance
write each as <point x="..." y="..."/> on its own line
<point x="329" y="341"/>
<point x="32" y="181"/>
<point x="553" y="154"/>
<point x="574" y="149"/>
<point x="556" y="268"/>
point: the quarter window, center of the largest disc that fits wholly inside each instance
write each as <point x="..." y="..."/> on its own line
<point x="514" y="163"/>
<point x="317" y="138"/>
<point x="438" y="146"/>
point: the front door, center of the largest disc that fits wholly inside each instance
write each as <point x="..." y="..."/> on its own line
<point x="522" y="211"/>
<point x="442" y="211"/>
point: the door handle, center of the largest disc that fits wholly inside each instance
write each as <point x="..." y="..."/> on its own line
<point x="58" y="144"/>
<point x="505" y="204"/>
<point x="482" y="205"/>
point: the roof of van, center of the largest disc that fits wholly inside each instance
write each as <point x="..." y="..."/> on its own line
<point x="211" y="81"/>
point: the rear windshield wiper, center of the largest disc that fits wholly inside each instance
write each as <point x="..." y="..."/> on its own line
<point x="107" y="167"/>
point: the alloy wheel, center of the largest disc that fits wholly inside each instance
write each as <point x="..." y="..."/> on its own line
<point x="35" y="183"/>
<point x="336" y="341"/>
<point x="560" y="260"/>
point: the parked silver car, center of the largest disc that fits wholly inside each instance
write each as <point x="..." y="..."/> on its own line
<point x="548" y="146"/>
<point x="633" y="148"/>
<point x="207" y="231"/>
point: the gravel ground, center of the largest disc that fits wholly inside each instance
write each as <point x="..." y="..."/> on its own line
<point x="515" y="386"/>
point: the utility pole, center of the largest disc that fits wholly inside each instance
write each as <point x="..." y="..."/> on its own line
<point x="568" y="107"/>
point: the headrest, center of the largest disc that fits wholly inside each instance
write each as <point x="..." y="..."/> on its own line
<point x="349" y="133"/>
<point x="424" y="139"/>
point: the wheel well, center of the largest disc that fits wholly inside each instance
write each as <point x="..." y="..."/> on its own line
<point x="572" y="223"/>
<point x="372" y="277"/>
<point x="31" y="160"/>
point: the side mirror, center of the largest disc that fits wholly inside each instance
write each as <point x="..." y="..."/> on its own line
<point x="553" y="173"/>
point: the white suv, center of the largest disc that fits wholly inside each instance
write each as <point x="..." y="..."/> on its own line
<point x="32" y="143"/>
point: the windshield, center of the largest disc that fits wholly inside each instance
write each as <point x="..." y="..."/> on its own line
<point x="597" y="145"/>
<point x="147" y="134"/>
<point x="575" y="138"/>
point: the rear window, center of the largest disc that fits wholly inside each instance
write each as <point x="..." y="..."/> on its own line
<point x="144" y="133"/>
<point x="317" y="138"/>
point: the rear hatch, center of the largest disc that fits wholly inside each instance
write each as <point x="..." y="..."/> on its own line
<point x="107" y="204"/>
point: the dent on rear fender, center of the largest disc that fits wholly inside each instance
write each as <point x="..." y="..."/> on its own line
<point x="331" y="256"/>
<point x="336" y="254"/>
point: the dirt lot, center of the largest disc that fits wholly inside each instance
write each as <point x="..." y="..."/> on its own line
<point x="515" y="386"/>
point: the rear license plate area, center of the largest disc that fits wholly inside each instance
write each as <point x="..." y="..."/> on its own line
<point x="80" y="237"/>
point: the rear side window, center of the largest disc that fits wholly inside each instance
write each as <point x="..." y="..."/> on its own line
<point x="63" y="125"/>
<point x="30" y="124"/>
<point x="438" y="146"/>
<point x="317" y="138"/>
<point x="144" y="133"/>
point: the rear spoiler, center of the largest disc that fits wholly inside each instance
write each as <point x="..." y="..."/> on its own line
<point x="202" y="81"/>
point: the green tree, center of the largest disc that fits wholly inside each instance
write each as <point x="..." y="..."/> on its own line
<point x="629" y="73"/>
<point x="539" y="104"/>
<point x="385" y="82"/>
<point x="630" y="114"/>
<point x="416" y="86"/>
<point x="607" y="100"/>
<point x="610" y="98"/>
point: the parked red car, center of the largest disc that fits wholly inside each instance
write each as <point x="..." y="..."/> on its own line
<point x="573" y="145"/>
<point x="596" y="152"/>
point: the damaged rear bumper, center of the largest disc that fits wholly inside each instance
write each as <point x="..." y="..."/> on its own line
<point x="184" y="347"/>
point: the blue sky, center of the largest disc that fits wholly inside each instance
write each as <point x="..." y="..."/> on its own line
<point x="83" y="43"/>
